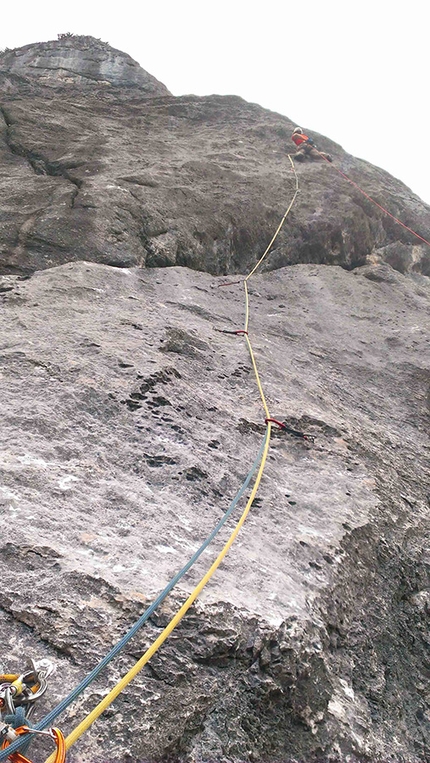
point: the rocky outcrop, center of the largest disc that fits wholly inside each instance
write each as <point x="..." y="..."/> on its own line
<point x="103" y="172"/>
<point x="129" y="421"/>
<point x="78" y="60"/>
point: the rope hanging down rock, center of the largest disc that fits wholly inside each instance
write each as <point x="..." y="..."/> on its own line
<point x="10" y="746"/>
<point x="77" y="691"/>
<point x="261" y="459"/>
<point x="121" y="685"/>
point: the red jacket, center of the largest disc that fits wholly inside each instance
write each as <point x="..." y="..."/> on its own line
<point x="299" y="138"/>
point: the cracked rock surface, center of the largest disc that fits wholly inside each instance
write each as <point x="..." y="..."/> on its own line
<point x="98" y="161"/>
<point x="129" y="422"/>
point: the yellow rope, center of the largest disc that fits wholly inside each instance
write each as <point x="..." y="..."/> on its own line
<point x="278" y="229"/>
<point x="257" y="376"/>
<point x="132" y="673"/>
<point x="245" y="286"/>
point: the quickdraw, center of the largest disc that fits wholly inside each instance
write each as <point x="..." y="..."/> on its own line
<point x="236" y="332"/>
<point x="295" y="432"/>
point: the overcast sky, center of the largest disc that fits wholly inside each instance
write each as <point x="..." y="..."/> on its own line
<point x="355" y="71"/>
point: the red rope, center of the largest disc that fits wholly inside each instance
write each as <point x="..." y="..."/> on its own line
<point x="375" y="202"/>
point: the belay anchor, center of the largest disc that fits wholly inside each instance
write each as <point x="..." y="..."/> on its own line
<point x="18" y="695"/>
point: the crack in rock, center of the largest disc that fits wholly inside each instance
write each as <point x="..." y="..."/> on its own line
<point x="39" y="164"/>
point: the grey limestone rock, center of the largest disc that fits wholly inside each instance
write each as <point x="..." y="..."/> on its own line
<point x="129" y="420"/>
<point x="78" y="60"/>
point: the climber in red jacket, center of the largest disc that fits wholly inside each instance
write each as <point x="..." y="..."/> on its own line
<point x="306" y="147"/>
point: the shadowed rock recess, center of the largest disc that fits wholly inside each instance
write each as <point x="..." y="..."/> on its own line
<point x="128" y="422"/>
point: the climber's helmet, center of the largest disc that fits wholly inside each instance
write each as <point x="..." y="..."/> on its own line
<point x="297" y="130"/>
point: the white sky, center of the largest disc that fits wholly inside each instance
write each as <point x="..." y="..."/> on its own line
<point x="354" y="71"/>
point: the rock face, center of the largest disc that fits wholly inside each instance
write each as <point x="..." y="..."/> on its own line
<point x="99" y="162"/>
<point x="129" y="421"/>
<point x="82" y="61"/>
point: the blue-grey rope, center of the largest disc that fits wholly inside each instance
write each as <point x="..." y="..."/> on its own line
<point x="74" y="694"/>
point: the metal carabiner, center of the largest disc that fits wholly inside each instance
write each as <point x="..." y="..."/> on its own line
<point x="31" y="696"/>
<point x="42" y="668"/>
<point x="47" y="733"/>
<point x="10" y="707"/>
<point x="39" y="672"/>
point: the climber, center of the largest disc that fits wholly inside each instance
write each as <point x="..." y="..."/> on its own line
<point x="306" y="148"/>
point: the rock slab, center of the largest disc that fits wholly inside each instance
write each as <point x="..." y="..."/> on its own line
<point x="128" y="424"/>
